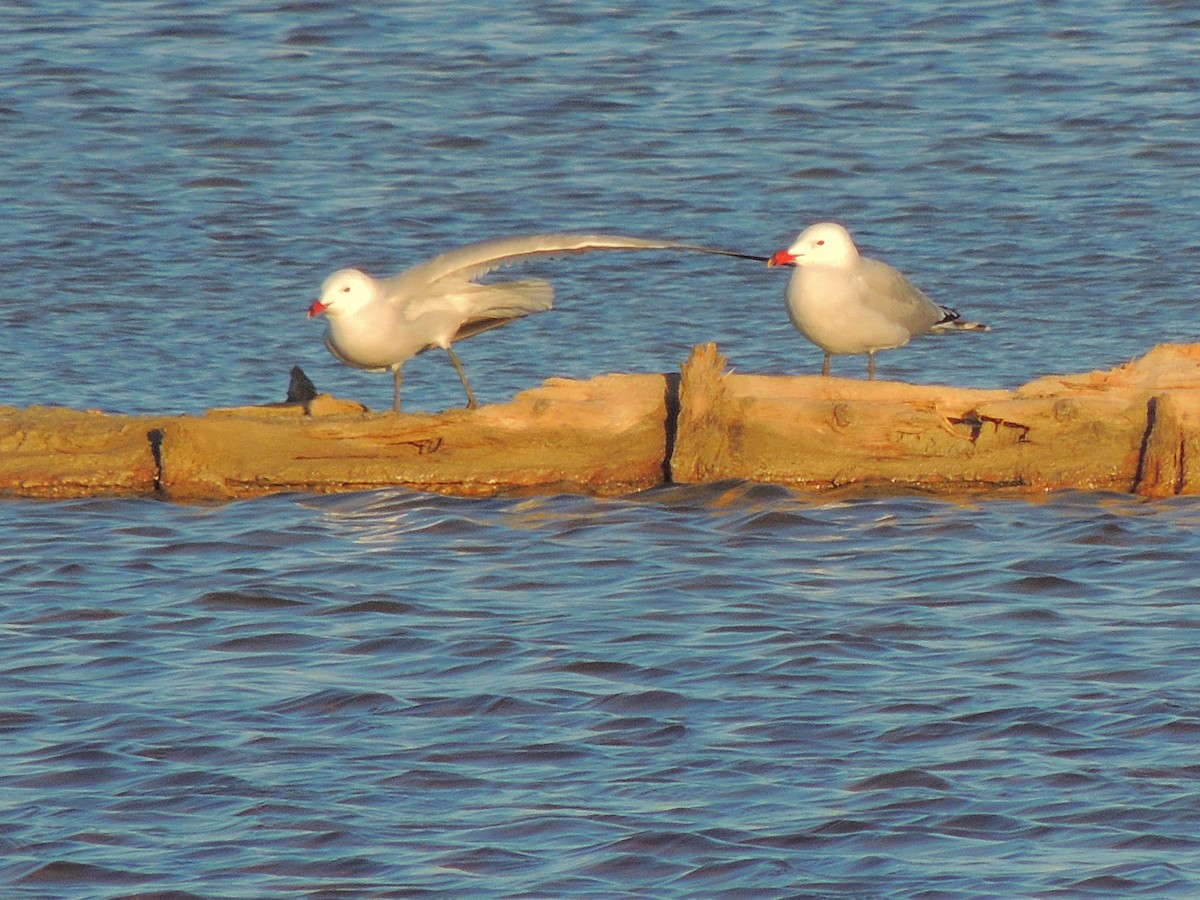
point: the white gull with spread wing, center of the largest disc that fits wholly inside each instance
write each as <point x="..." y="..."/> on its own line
<point x="379" y="324"/>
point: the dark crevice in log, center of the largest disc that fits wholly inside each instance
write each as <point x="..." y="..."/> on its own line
<point x="155" y="437"/>
<point x="671" y="424"/>
<point x="975" y="421"/>
<point x="1151" y="417"/>
<point x="972" y="420"/>
<point x="1181" y="475"/>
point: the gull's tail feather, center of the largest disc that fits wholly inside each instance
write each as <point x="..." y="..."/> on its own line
<point x="952" y="321"/>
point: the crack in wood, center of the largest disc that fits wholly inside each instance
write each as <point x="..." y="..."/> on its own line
<point x="1139" y="475"/>
<point x="424" y="446"/>
<point x="975" y="420"/>
<point x="155" y="437"/>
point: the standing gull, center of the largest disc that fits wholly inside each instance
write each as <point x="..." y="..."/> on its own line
<point x="847" y="303"/>
<point x="380" y="324"/>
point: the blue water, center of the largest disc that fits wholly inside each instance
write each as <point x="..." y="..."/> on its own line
<point x="731" y="690"/>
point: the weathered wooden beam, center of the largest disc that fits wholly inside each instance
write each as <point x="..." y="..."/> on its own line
<point x="1170" y="462"/>
<point x="1132" y="429"/>
<point x="603" y="436"/>
<point x="1135" y="428"/>
<point x="51" y="452"/>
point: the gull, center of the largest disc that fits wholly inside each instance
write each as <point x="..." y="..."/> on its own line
<point x="379" y="324"/>
<point x="847" y="303"/>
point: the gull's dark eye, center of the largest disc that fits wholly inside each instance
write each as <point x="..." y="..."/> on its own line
<point x="820" y="243"/>
<point x="346" y="289"/>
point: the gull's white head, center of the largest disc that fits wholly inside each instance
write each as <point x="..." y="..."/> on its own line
<point x="825" y="244"/>
<point x="345" y="291"/>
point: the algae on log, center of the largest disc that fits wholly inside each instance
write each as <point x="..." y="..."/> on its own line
<point x="1135" y="428"/>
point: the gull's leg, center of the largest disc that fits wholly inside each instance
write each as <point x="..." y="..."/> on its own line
<point x="871" y="365"/>
<point x="825" y="367"/>
<point x="398" y="380"/>
<point x="462" y="375"/>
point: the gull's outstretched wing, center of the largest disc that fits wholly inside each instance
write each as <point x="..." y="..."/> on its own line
<point x="476" y="260"/>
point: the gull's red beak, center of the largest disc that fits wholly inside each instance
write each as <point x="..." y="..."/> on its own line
<point x="316" y="309"/>
<point x="781" y="258"/>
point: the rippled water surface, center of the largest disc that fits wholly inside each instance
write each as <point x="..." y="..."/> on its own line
<point x="732" y="690"/>
<point x="695" y="691"/>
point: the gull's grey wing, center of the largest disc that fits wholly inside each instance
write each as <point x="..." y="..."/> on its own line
<point x="893" y="296"/>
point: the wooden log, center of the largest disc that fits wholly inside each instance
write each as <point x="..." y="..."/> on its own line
<point x="603" y="436"/>
<point x="1090" y="431"/>
<point x="1170" y="462"/>
<point x="58" y="453"/>
<point x="1134" y="428"/>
